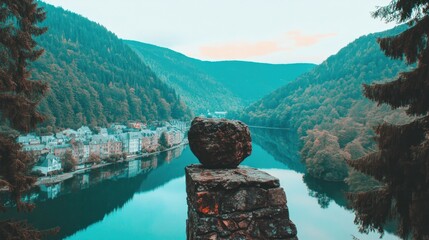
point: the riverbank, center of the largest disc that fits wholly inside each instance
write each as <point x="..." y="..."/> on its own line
<point x="64" y="176"/>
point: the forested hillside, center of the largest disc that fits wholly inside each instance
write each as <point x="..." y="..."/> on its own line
<point x="226" y="85"/>
<point x="95" y="78"/>
<point x="327" y="108"/>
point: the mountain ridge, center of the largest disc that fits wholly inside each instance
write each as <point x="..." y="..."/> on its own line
<point x="327" y="108"/>
<point x="233" y="83"/>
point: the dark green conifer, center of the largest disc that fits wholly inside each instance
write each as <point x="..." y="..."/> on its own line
<point x="401" y="163"/>
<point x="19" y="98"/>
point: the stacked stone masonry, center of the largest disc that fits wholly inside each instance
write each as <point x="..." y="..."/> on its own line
<point x="241" y="203"/>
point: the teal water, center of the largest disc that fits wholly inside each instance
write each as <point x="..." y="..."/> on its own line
<point x="146" y="199"/>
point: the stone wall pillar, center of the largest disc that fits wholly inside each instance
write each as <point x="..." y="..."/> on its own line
<point x="240" y="203"/>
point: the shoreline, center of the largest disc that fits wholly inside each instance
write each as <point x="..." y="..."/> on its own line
<point x="68" y="175"/>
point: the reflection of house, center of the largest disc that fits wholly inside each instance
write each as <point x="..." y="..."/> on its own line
<point x="51" y="191"/>
<point x="48" y="163"/>
<point x="134" y="168"/>
<point x="84" y="181"/>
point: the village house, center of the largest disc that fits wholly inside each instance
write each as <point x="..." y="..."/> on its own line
<point x="37" y="149"/>
<point x="131" y="142"/>
<point x="48" y="163"/>
<point x="81" y="150"/>
<point x="116" y="140"/>
<point x="149" y="141"/>
<point x="48" y="139"/>
<point x="84" y="132"/>
<point x="60" y="150"/>
<point x="70" y="133"/>
<point x="28" y="139"/>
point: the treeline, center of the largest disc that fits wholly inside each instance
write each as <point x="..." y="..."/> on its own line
<point x="329" y="111"/>
<point x="224" y="85"/>
<point x="95" y="78"/>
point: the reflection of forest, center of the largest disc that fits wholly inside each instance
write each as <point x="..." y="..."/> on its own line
<point x="284" y="147"/>
<point x="325" y="192"/>
<point x="281" y="144"/>
<point x="85" y="199"/>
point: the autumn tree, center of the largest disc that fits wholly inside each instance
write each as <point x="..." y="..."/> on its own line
<point x="19" y="98"/>
<point x="94" y="159"/>
<point x="68" y="161"/>
<point x="163" y="141"/>
<point x="401" y="163"/>
<point x="323" y="156"/>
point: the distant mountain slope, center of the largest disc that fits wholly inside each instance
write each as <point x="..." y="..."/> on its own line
<point x="328" y="109"/>
<point x="226" y="85"/>
<point x="95" y="78"/>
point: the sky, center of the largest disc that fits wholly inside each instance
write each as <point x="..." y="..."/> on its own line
<point x="272" y="31"/>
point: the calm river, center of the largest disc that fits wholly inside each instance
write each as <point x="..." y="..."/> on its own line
<point x="146" y="198"/>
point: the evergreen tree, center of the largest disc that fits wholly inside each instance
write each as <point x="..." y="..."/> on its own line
<point x="402" y="160"/>
<point x="19" y="97"/>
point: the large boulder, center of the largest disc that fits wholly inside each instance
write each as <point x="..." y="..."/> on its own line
<point x="219" y="143"/>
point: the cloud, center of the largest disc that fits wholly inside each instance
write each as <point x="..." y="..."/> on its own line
<point x="302" y="40"/>
<point x="240" y="50"/>
<point x="289" y="41"/>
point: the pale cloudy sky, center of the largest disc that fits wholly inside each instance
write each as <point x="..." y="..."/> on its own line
<point x="275" y="31"/>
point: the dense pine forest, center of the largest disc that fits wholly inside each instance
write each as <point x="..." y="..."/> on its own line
<point x="224" y="85"/>
<point x="328" y="109"/>
<point x="95" y="78"/>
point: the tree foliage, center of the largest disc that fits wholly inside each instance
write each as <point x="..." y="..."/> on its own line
<point x="163" y="141"/>
<point x="402" y="160"/>
<point x="19" y="98"/>
<point x="329" y="98"/>
<point x="68" y="161"/>
<point x="95" y="78"/>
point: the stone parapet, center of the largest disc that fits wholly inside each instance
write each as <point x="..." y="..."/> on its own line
<point x="239" y="203"/>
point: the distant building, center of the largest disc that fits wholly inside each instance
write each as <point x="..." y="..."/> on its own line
<point x="84" y="132"/>
<point x="137" y="125"/>
<point x="60" y="150"/>
<point x="48" y="139"/>
<point x="48" y="163"/>
<point x="220" y="114"/>
<point x="37" y="149"/>
<point x="70" y="133"/>
<point x="29" y="139"/>
<point x="131" y="142"/>
<point x="103" y="132"/>
<point x="81" y="150"/>
<point x="117" y="128"/>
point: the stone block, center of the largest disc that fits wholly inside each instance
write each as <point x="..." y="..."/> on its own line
<point x="241" y="203"/>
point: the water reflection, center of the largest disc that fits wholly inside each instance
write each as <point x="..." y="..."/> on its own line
<point x="140" y="199"/>
<point x="88" y="197"/>
<point x="326" y="192"/>
<point x="283" y="145"/>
